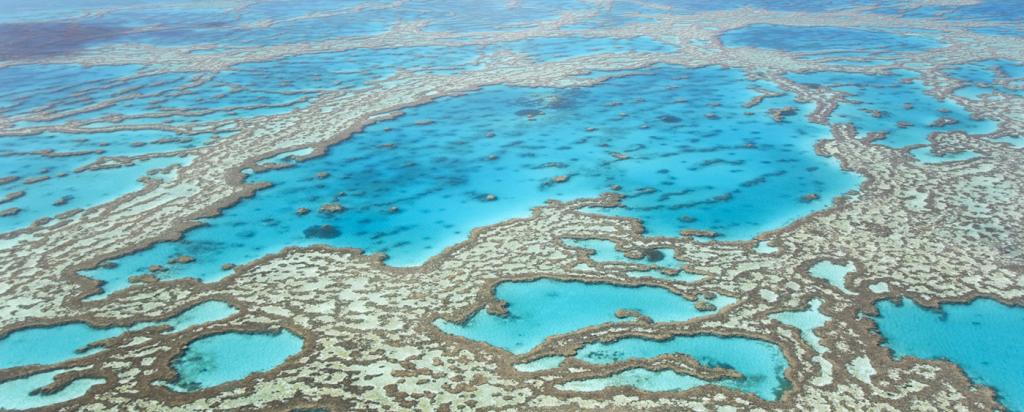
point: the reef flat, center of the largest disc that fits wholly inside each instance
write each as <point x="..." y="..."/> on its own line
<point x="426" y="205"/>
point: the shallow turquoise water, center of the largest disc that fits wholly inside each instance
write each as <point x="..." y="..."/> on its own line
<point x="16" y="394"/>
<point x="221" y="358"/>
<point x="604" y="251"/>
<point x="545" y="307"/>
<point x="58" y="194"/>
<point x="980" y="77"/>
<point x="64" y="342"/>
<point x="982" y="337"/>
<point x="762" y="364"/>
<point x="807" y="321"/>
<point x="864" y="43"/>
<point x="411" y="189"/>
<point x="643" y="379"/>
<point x="893" y="100"/>
<point x="926" y="155"/>
<point x="545" y="363"/>
<point x="833" y="273"/>
<point x="551" y="49"/>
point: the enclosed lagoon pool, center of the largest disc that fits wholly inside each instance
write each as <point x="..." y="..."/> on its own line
<point x="603" y="251"/>
<point x="73" y="340"/>
<point x="833" y="273"/>
<point x="21" y="393"/>
<point x="49" y="187"/>
<point x="680" y="142"/>
<point x="983" y="337"/>
<point x="542" y="308"/>
<point x="217" y="359"/>
<point x="761" y="364"/>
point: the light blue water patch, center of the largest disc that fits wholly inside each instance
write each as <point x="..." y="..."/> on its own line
<point x="50" y="197"/>
<point x="764" y="247"/>
<point x="926" y="155"/>
<point x="762" y="364"/>
<point x="49" y="345"/>
<point x="32" y="87"/>
<point x="543" y="308"/>
<point x="681" y="276"/>
<point x="782" y="5"/>
<point x="1014" y="141"/>
<point x="807" y="321"/>
<point x="604" y="251"/>
<point x="540" y="364"/>
<point x="643" y="379"/>
<point x="896" y="105"/>
<point x="55" y="344"/>
<point x="17" y="394"/>
<point x="485" y="16"/>
<point x="244" y="90"/>
<point x="982" y="337"/>
<point x="833" y="273"/>
<point x="618" y="14"/>
<point x="985" y="10"/>
<point x="226" y="357"/>
<point x="678" y="141"/>
<point x="817" y="39"/>
<point x="550" y="49"/>
<point x="981" y="77"/>
<point x="998" y="30"/>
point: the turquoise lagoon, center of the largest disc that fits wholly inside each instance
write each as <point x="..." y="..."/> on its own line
<point x="72" y="340"/>
<point x="762" y="364"/>
<point x="546" y="308"/>
<point x="245" y="90"/>
<point x="982" y="337"/>
<point x="213" y="360"/>
<point x="19" y="394"/>
<point x="980" y="77"/>
<point x="678" y="141"/>
<point x="891" y="105"/>
<point x="604" y="252"/>
<point x="543" y="308"/>
<point x="833" y="273"/>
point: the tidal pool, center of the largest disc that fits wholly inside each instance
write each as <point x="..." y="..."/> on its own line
<point x="833" y="273"/>
<point x="982" y="337"/>
<point x="54" y="344"/>
<point x="604" y="251"/>
<point x="213" y="360"/>
<point x="17" y="394"/>
<point x="926" y="155"/>
<point x="543" y="308"/>
<point x="681" y="143"/>
<point x="762" y="364"/>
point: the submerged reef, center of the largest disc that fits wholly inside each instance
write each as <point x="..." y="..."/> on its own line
<point x="437" y="205"/>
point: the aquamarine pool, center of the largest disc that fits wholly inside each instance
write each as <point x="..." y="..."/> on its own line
<point x="982" y="337"/>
